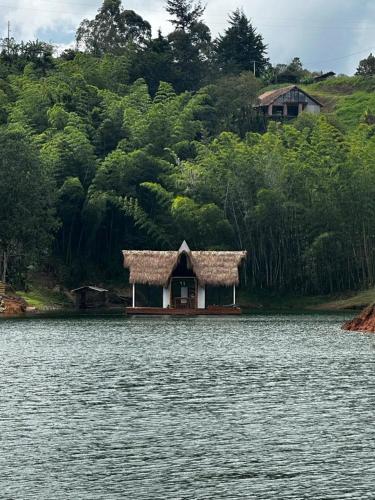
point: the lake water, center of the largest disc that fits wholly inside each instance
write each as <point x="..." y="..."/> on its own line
<point x="256" y="407"/>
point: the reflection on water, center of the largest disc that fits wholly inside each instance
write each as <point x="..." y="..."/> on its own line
<point x="254" y="407"/>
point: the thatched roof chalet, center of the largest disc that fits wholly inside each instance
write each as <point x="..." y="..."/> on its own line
<point x="210" y="268"/>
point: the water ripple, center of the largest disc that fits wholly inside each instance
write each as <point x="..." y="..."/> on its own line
<point x="259" y="407"/>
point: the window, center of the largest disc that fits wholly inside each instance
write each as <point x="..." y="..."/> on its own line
<point x="278" y="111"/>
<point x="292" y="110"/>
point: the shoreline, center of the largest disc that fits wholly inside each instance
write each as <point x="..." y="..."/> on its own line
<point x="44" y="302"/>
<point x="120" y="312"/>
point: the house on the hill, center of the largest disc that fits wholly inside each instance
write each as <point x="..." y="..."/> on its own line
<point x="324" y="76"/>
<point x="287" y="102"/>
<point x="184" y="277"/>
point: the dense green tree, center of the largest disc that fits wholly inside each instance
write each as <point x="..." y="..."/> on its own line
<point x="114" y="203"/>
<point x="17" y="55"/>
<point x="241" y="48"/>
<point x="164" y="121"/>
<point x="4" y="103"/>
<point x="32" y="106"/>
<point x="154" y="63"/>
<point x="107" y="119"/>
<point x="107" y="73"/>
<point x="185" y="13"/>
<point x="71" y="199"/>
<point x="191" y="44"/>
<point x="366" y="67"/>
<point x="27" y="220"/>
<point x="287" y="73"/>
<point x="234" y="98"/>
<point x="69" y="154"/>
<point x="112" y="30"/>
<point x="200" y="224"/>
<point x="191" y="54"/>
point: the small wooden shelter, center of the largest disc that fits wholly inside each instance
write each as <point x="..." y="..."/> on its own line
<point x="183" y="276"/>
<point x="287" y="102"/>
<point x="90" y="297"/>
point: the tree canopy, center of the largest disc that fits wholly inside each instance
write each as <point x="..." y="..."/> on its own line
<point x="185" y="13"/>
<point x="241" y="48"/>
<point x="367" y="66"/>
<point x="27" y="218"/>
<point x="112" y="30"/>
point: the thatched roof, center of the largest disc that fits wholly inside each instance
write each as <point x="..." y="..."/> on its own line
<point x="217" y="268"/>
<point x="210" y="268"/>
<point x="148" y="267"/>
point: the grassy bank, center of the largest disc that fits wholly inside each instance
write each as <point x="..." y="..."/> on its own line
<point x="286" y="302"/>
<point x="356" y="301"/>
<point x="346" y="97"/>
<point x="45" y="299"/>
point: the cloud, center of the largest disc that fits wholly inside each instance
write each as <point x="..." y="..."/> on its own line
<point x="322" y="33"/>
<point x="31" y="18"/>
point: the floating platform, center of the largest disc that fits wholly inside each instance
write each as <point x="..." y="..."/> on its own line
<point x="159" y="311"/>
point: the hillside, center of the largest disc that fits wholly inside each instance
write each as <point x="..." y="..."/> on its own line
<point x="344" y="98"/>
<point x="349" y="98"/>
<point x="125" y="168"/>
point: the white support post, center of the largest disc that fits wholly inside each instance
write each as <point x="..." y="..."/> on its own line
<point x="201" y="297"/>
<point x="167" y="296"/>
<point x="234" y="295"/>
<point x="133" y="294"/>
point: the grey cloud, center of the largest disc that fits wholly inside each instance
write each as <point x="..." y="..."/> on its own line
<point x="323" y="33"/>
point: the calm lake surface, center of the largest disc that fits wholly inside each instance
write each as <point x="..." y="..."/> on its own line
<point x="256" y="407"/>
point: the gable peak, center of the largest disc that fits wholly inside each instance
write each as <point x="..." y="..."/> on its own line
<point x="184" y="248"/>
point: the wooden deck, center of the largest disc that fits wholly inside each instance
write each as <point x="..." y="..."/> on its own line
<point x="159" y="311"/>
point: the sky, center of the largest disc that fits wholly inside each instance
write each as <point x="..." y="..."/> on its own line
<point x="326" y="34"/>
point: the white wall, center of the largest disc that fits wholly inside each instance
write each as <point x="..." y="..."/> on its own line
<point x="313" y="108"/>
<point x="201" y="297"/>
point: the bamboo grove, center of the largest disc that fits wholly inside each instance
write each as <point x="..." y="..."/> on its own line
<point x="93" y="161"/>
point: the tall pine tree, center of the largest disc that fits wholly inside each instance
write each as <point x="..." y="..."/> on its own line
<point x="191" y="44"/>
<point x="241" y="47"/>
<point x="184" y="13"/>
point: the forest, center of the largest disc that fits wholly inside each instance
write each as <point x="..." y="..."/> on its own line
<point x="131" y="141"/>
